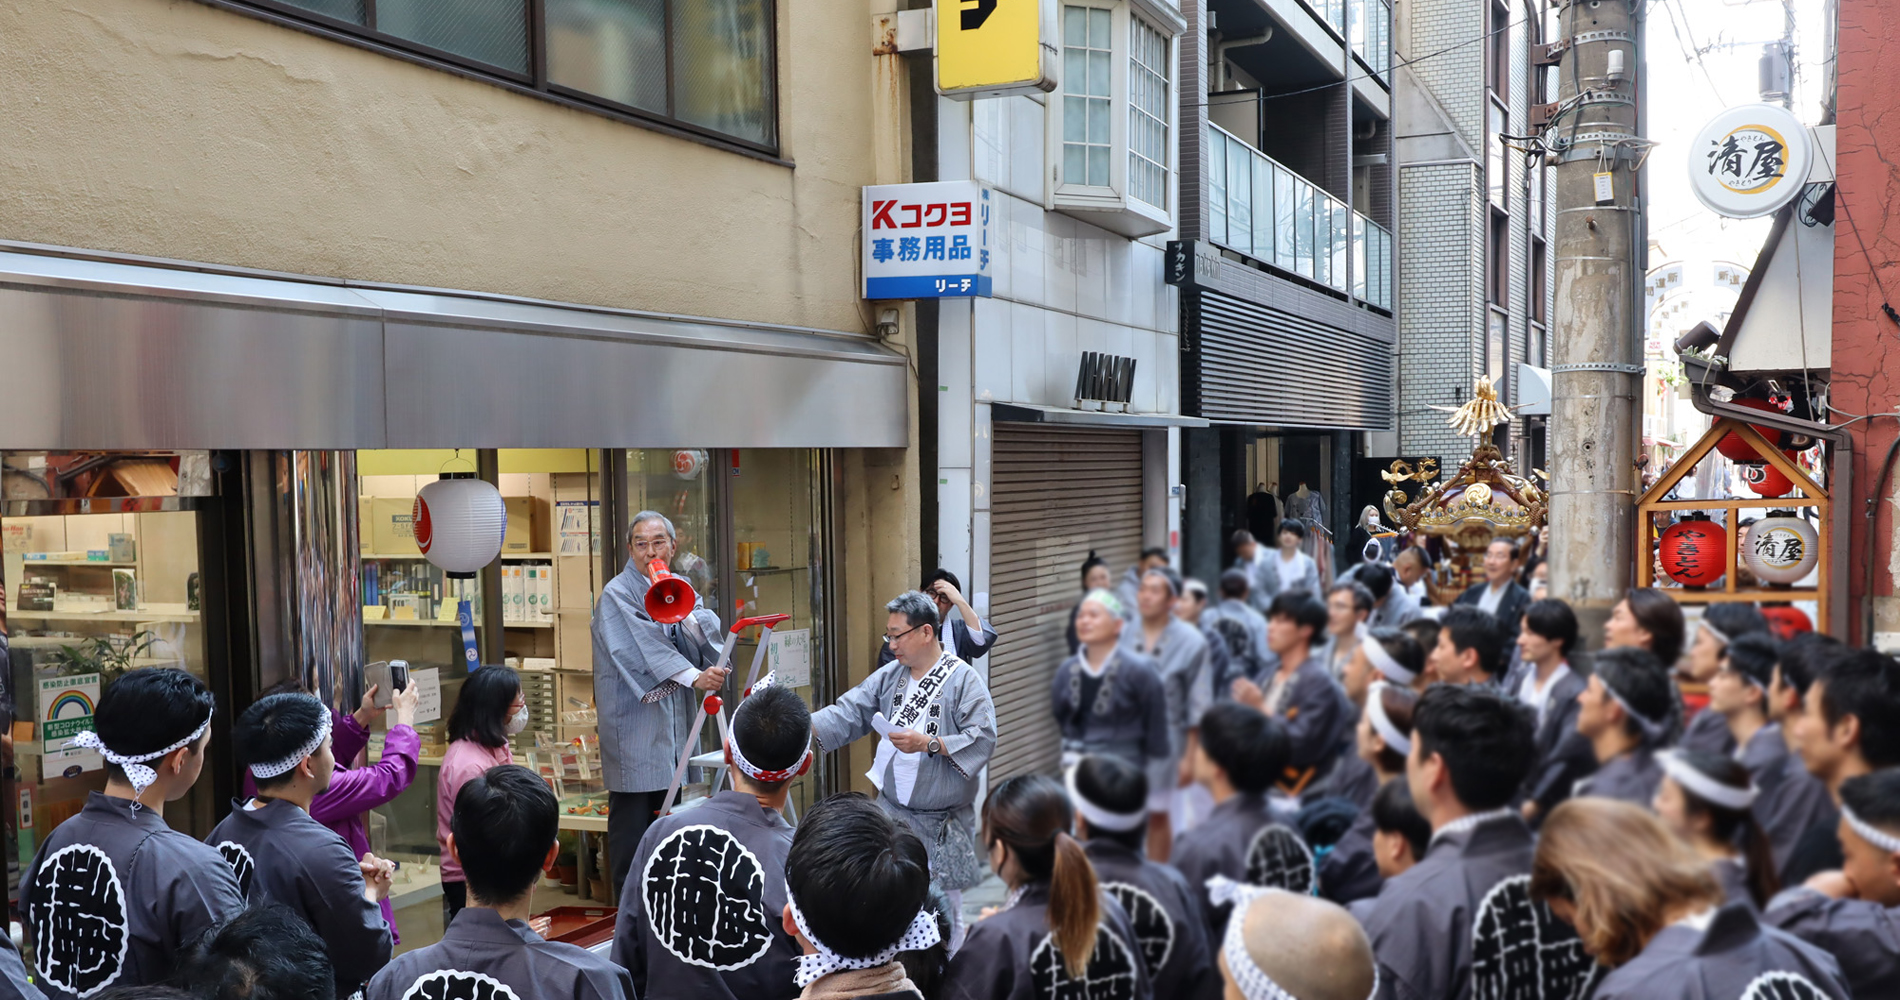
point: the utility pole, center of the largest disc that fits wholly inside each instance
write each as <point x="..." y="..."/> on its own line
<point x="1596" y="416"/>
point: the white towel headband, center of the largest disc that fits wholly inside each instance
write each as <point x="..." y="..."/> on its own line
<point x="1382" y="723"/>
<point x="921" y="934"/>
<point x="1385" y="664"/>
<point x="1098" y="817"/>
<point x="1871" y="834"/>
<point x="1254" y="984"/>
<point x="1704" y="787"/>
<point x="272" y="769"/>
<point x="133" y="765"/>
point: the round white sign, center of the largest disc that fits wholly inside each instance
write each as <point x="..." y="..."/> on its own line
<point x="1750" y="161"/>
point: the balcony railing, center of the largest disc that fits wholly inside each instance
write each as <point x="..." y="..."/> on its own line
<point x="1371" y="24"/>
<point x="1263" y="210"/>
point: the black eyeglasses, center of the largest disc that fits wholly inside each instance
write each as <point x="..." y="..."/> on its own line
<point x="889" y="638"/>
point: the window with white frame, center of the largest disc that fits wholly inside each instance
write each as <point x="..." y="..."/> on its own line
<point x="1147" y="113"/>
<point x="1111" y="123"/>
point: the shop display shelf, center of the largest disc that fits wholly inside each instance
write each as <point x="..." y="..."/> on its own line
<point x="153" y="615"/>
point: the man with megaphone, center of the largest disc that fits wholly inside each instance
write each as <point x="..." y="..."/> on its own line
<point x="654" y="645"/>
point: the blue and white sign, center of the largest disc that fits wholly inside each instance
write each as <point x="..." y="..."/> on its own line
<point x="928" y="241"/>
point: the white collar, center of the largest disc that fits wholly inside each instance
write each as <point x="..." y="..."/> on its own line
<point x="1463" y="823"/>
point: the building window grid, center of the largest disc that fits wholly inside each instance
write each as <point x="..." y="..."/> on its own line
<point x="712" y="73"/>
<point x="1147" y="113"/>
<point x="1087" y="95"/>
<point x="1372" y="35"/>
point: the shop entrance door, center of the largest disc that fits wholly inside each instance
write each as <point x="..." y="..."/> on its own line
<point x="1057" y="495"/>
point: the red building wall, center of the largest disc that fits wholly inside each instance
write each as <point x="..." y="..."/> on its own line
<point x="1866" y="375"/>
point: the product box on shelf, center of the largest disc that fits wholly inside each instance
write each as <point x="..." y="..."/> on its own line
<point x="527" y="525"/>
<point x="392" y="526"/>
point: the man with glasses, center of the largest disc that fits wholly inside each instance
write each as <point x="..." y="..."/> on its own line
<point x="645" y="676"/>
<point x="936" y="729"/>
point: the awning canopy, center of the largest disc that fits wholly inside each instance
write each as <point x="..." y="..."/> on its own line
<point x="103" y="353"/>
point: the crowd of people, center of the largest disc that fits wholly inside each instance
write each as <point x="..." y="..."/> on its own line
<point x="1266" y="790"/>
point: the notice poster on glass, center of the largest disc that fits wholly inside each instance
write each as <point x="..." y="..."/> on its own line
<point x="65" y="706"/>
<point x="428" y="682"/>
<point x="789" y="658"/>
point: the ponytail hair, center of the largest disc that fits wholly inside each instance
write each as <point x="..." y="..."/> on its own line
<point x="1030" y="814"/>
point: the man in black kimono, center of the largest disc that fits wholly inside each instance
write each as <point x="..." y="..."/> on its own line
<point x="291" y="859"/>
<point x="965" y="633"/>
<point x="1301" y="694"/>
<point x="1854" y="913"/>
<point x="699" y="916"/>
<point x="1111" y="805"/>
<point x="1107" y="698"/>
<point x="1549" y="688"/>
<point x="1849" y="725"/>
<point x="1790" y="800"/>
<point x="1625" y="711"/>
<point x="857" y="889"/>
<point x="115" y="894"/>
<point x="1242" y="630"/>
<point x="503" y="834"/>
<point x="1239" y="753"/>
<point x="1721" y="625"/>
<point x="1461" y="922"/>
<point x="1470" y="647"/>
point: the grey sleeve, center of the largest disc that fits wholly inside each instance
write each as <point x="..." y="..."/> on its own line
<point x="350" y="925"/>
<point x="847" y="719"/>
<point x="969" y="748"/>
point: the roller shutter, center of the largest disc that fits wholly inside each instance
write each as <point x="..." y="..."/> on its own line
<point x="1056" y="493"/>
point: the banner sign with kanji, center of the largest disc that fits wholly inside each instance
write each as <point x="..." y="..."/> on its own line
<point x="928" y="241"/>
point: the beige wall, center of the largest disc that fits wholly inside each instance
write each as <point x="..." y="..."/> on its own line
<point x="181" y="130"/>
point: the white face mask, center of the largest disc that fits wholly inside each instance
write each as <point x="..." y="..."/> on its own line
<point x="517" y="722"/>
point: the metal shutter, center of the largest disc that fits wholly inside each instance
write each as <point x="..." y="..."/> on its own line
<point x="1262" y="365"/>
<point x="1056" y="493"/>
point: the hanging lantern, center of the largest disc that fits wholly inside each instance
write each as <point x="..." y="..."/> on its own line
<point x="1734" y="448"/>
<point x="1766" y="480"/>
<point x="1782" y="548"/>
<point x="1786" y="621"/>
<point x="460" y="524"/>
<point x="1694" y="551"/>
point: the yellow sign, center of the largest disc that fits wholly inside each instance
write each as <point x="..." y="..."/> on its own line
<point x="992" y="48"/>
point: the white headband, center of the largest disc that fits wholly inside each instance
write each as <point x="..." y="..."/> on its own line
<point x="755" y="772"/>
<point x="133" y="765"/>
<point x="1383" y="662"/>
<point x="1100" y="818"/>
<point x="1650" y="727"/>
<point x="1382" y="723"/>
<point x="1704" y="787"/>
<point x="921" y="934"/>
<point x="1720" y="636"/>
<point x="275" y="768"/>
<point x="1107" y="599"/>
<point x="1254" y="984"/>
<point x="1877" y="837"/>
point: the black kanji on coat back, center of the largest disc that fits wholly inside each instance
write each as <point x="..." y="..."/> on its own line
<point x="241" y="864"/>
<point x="454" y="984"/>
<point x="1521" y="951"/>
<point x="1279" y="859"/>
<point x="1154" y="929"/>
<point x="705" y="899"/>
<point x="1110" y="975"/>
<point x="76" y="909"/>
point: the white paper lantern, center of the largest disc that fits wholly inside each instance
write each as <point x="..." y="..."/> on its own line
<point x="1782" y="548"/>
<point x="460" y="524"/>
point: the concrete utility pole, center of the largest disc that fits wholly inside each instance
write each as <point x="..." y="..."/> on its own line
<point x="1595" y="420"/>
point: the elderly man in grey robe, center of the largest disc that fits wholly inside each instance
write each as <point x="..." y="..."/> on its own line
<point x="936" y="729"/>
<point x="646" y="678"/>
<point x="1179" y="652"/>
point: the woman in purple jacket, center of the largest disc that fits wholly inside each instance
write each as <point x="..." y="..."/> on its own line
<point x="354" y="791"/>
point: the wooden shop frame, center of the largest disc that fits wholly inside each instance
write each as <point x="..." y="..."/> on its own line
<point x="1652" y="502"/>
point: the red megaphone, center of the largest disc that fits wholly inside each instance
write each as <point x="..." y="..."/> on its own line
<point x="670" y="599"/>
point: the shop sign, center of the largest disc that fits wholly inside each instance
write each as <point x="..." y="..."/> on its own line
<point x="927" y="241"/>
<point x="993" y="48"/>
<point x="1750" y="161"/>
<point x="790" y="658"/>
<point x="1104" y="378"/>
<point x="65" y="710"/>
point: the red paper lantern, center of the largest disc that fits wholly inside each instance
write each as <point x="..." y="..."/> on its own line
<point x="1734" y="448"/>
<point x="1787" y="621"/>
<point x="1766" y="480"/>
<point x="1694" y="551"/>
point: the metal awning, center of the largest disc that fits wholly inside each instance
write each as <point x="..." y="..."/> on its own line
<point x="106" y="352"/>
<point x="1030" y="413"/>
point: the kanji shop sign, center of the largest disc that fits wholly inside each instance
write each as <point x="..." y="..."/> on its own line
<point x="1750" y="161"/>
<point x="928" y="241"/>
<point x="992" y="48"/>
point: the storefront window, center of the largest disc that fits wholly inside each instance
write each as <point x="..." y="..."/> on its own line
<point x="100" y="572"/>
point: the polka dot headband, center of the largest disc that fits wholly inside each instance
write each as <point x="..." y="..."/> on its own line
<point x="921" y="934"/>
<point x="133" y="765"/>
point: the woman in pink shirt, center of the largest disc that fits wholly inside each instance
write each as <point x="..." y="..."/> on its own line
<point x="489" y="711"/>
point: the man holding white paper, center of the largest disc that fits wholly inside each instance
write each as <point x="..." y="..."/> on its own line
<point x="936" y="728"/>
